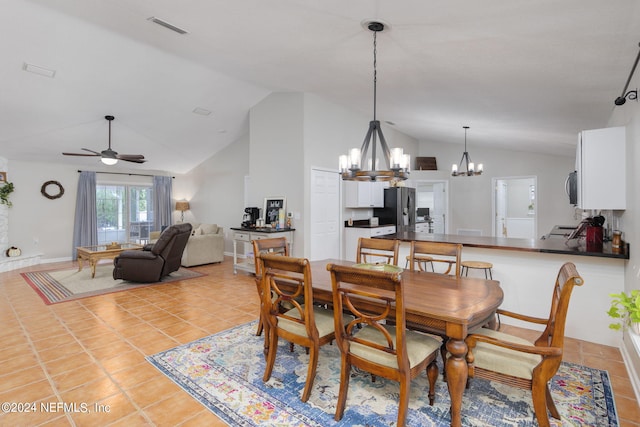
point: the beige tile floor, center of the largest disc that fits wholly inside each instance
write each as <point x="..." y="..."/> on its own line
<point x="92" y="350"/>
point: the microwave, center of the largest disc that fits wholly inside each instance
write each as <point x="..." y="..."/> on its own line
<point x="571" y="188"/>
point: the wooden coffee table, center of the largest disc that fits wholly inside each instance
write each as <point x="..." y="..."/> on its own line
<point x="93" y="254"/>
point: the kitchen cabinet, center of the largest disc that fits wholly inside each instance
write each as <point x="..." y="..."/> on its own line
<point x="352" y="234"/>
<point x="423" y="227"/>
<point x="243" y="258"/>
<point x="364" y="194"/>
<point x="600" y="163"/>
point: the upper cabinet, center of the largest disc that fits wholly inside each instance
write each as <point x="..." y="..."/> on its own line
<point x="364" y="194"/>
<point x="600" y="163"/>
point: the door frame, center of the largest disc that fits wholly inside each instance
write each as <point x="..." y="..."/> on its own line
<point x="447" y="202"/>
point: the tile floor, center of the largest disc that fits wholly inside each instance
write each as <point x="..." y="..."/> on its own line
<point x="91" y="351"/>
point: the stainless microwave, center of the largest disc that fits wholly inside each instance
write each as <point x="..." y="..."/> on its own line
<point x="571" y="187"/>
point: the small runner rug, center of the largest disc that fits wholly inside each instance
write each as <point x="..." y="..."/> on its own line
<point x="224" y="373"/>
<point x="66" y="285"/>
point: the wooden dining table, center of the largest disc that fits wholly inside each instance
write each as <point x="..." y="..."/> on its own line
<point x="442" y="304"/>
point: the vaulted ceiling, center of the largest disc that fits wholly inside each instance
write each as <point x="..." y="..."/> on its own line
<point x="525" y="75"/>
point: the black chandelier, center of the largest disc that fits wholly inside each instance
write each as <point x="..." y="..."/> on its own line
<point x="355" y="166"/>
<point x="466" y="167"/>
<point x="632" y="94"/>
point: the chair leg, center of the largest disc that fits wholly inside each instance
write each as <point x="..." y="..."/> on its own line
<point x="345" y="373"/>
<point x="432" y="374"/>
<point x="539" y="397"/>
<point x="403" y="404"/>
<point x="443" y="353"/>
<point x="552" y="405"/>
<point x="260" y="327"/>
<point x="271" y="356"/>
<point x="311" y="373"/>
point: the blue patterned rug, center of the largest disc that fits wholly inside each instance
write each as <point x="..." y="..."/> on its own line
<point x="224" y="372"/>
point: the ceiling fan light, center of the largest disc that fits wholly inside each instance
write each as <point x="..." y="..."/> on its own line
<point x="109" y="161"/>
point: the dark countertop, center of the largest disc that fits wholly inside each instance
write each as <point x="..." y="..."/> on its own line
<point x="263" y="229"/>
<point x="364" y="223"/>
<point x="552" y="246"/>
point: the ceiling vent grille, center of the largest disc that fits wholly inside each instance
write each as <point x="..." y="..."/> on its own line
<point x="167" y="25"/>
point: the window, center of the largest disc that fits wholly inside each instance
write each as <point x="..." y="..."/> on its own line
<point x="125" y="212"/>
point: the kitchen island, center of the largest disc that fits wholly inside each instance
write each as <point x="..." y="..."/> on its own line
<point x="527" y="269"/>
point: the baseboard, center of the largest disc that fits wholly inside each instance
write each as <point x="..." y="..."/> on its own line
<point x="628" y="358"/>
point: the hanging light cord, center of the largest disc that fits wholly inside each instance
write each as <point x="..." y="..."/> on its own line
<point x="375" y="73"/>
<point x="633" y="94"/>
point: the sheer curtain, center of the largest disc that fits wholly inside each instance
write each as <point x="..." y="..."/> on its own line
<point x="161" y="201"/>
<point x="85" y="228"/>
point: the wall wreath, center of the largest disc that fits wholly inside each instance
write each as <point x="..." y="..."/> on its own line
<point x="49" y="196"/>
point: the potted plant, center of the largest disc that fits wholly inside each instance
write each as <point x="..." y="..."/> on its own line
<point x="5" y="190"/>
<point x="625" y="308"/>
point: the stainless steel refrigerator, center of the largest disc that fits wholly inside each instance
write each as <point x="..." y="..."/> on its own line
<point x="399" y="208"/>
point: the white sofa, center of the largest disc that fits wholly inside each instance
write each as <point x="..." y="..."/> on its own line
<point x="205" y="245"/>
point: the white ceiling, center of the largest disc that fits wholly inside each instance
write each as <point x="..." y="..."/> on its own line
<point x="525" y="75"/>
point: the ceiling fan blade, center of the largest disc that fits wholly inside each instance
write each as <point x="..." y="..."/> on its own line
<point x="133" y="160"/>
<point x="91" y="151"/>
<point x="80" y="154"/>
<point x="130" y="156"/>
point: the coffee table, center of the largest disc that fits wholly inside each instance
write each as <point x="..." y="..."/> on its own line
<point x="93" y="254"/>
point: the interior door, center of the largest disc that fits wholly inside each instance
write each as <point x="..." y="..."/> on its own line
<point x="324" y="215"/>
<point x="439" y="215"/>
<point x="501" y="209"/>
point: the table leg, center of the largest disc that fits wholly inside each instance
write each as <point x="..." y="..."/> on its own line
<point x="456" y="377"/>
<point x="79" y="260"/>
<point x="92" y="263"/>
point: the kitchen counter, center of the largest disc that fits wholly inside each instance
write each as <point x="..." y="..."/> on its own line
<point x="551" y="246"/>
<point x="263" y="229"/>
<point x="527" y="269"/>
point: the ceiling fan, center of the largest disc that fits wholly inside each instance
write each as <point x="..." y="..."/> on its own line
<point x="108" y="156"/>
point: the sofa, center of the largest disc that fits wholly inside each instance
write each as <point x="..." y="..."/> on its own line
<point x="205" y="245"/>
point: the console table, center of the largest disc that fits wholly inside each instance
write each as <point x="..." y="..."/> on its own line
<point x="242" y="238"/>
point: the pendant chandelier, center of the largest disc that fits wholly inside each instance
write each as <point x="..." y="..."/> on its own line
<point x="356" y="166"/>
<point x="466" y="167"/>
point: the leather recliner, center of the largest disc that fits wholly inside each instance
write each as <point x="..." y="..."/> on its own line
<point x="154" y="261"/>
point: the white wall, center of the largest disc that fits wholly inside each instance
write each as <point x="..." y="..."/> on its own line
<point x="215" y="189"/>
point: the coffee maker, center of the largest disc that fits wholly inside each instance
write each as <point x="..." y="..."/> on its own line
<point x="250" y="217"/>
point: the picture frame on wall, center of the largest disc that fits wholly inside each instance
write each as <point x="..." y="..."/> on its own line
<point x="272" y="206"/>
<point x="3" y="177"/>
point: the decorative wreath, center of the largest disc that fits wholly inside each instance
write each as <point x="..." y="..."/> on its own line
<point x="59" y="194"/>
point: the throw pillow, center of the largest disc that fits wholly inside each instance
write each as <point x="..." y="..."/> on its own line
<point x="209" y="228"/>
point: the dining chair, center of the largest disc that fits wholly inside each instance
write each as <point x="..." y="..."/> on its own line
<point x="368" y="343"/>
<point x="423" y="253"/>
<point x="306" y="324"/>
<point x="514" y="361"/>
<point x="277" y="245"/>
<point x="377" y="250"/>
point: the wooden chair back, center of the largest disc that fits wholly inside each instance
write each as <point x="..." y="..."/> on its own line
<point x="422" y="253"/>
<point x="376" y="296"/>
<point x="288" y="280"/>
<point x="276" y="245"/>
<point x="377" y="250"/>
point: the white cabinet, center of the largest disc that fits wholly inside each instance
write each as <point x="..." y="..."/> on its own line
<point x="243" y="248"/>
<point x="600" y="162"/>
<point x="422" y="227"/>
<point x="352" y="234"/>
<point x="364" y="194"/>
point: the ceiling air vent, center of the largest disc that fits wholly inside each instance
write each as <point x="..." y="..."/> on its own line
<point x="167" y="25"/>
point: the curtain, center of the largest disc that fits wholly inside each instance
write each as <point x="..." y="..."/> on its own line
<point x="161" y="201"/>
<point x="85" y="227"/>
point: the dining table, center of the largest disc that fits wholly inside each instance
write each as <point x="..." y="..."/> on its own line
<point x="442" y="304"/>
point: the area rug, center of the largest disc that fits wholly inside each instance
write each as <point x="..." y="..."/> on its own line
<point x="224" y="372"/>
<point x="66" y="285"/>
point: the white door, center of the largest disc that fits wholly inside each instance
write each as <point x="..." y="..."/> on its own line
<point x="324" y="215"/>
<point x="500" y="227"/>
<point x="515" y="207"/>
<point x="439" y="216"/>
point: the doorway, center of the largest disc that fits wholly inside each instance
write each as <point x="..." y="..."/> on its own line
<point x="433" y="194"/>
<point x="514" y="207"/>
